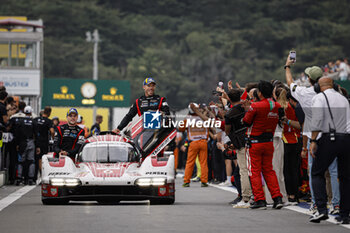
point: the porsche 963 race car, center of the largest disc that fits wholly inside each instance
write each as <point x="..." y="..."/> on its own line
<point x="110" y="168"/>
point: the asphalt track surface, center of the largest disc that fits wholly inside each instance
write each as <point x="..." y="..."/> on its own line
<point x="196" y="210"/>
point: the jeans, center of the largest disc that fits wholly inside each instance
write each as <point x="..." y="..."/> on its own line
<point x="333" y="171"/>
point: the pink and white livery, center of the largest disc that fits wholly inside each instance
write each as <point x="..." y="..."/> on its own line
<point x="110" y="168"/>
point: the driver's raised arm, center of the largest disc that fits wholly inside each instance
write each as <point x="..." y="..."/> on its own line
<point x="128" y="117"/>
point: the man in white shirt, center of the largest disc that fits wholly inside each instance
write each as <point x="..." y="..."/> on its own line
<point x="304" y="96"/>
<point x="331" y="117"/>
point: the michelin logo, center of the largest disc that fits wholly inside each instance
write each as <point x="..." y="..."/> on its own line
<point x="152" y="120"/>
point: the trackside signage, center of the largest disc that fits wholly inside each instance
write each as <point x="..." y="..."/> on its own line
<point x="85" y="93"/>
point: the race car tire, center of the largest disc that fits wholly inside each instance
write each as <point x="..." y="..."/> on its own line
<point x="54" y="201"/>
<point x="165" y="201"/>
<point x="108" y="202"/>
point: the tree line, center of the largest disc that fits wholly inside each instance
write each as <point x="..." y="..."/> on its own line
<point x="187" y="45"/>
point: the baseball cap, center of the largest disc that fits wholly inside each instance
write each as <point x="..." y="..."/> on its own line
<point x="28" y="109"/>
<point x="314" y="72"/>
<point x="72" y="110"/>
<point x="148" y="81"/>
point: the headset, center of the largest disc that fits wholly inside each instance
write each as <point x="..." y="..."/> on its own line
<point x="317" y="87"/>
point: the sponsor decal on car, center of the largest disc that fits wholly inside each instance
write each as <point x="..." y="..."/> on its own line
<point x="162" y="191"/>
<point x="156" y="173"/>
<point x="58" y="173"/>
<point x="54" y="192"/>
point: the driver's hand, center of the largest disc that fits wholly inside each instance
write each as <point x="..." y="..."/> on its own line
<point x="117" y="131"/>
<point x="63" y="152"/>
<point x="289" y="61"/>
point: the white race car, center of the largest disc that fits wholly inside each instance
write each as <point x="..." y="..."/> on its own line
<point x="110" y="168"/>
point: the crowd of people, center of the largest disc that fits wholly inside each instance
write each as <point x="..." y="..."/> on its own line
<point x="337" y="70"/>
<point x="268" y="143"/>
<point x="30" y="136"/>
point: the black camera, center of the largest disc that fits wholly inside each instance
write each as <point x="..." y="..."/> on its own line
<point x="281" y="115"/>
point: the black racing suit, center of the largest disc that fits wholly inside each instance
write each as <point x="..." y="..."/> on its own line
<point x="144" y="104"/>
<point x="68" y="138"/>
<point x="24" y="136"/>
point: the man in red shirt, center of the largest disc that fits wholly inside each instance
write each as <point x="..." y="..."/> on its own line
<point x="262" y="118"/>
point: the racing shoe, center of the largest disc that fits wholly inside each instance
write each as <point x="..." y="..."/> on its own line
<point x="261" y="204"/>
<point x="342" y="220"/>
<point x="204" y="184"/>
<point x="277" y="203"/>
<point x="186" y="185"/>
<point x="317" y="217"/>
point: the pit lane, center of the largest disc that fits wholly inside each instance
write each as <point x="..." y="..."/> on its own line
<point x="196" y="210"/>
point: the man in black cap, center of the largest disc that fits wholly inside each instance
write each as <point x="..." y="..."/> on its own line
<point x="69" y="137"/>
<point x="148" y="102"/>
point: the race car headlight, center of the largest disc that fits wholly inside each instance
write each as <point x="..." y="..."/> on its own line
<point x="150" y="181"/>
<point x="64" y="181"/>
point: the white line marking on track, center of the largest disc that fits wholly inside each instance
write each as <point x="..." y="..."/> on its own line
<point x="294" y="208"/>
<point x="14" y="196"/>
<point x="226" y="188"/>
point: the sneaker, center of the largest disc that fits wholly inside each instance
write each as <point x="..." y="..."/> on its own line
<point x="204" y="184"/>
<point x="226" y="183"/>
<point x="277" y="203"/>
<point x="196" y="179"/>
<point x="19" y="182"/>
<point x="317" y="217"/>
<point x="313" y="209"/>
<point x="186" y="185"/>
<point x="292" y="201"/>
<point x="31" y="182"/>
<point x="261" y="204"/>
<point x="235" y="201"/>
<point x="242" y="205"/>
<point x="342" y="220"/>
<point x="215" y="181"/>
<point x="334" y="210"/>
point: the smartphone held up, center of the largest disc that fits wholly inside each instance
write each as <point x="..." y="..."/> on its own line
<point x="293" y="56"/>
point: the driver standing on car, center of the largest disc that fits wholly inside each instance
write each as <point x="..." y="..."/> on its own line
<point x="148" y="102"/>
<point x="68" y="137"/>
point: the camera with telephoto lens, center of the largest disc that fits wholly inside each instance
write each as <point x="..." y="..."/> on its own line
<point x="281" y="115"/>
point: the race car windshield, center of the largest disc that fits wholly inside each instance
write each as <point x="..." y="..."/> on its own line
<point x="108" y="153"/>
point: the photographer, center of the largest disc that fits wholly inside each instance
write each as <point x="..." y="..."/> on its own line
<point x="289" y="158"/>
<point x="304" y="95"/>
<point x="236" y="132"/>
<point x="330" y="116"/>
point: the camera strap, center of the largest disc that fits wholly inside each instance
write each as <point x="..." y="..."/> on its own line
<point x="329" y="108"/>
